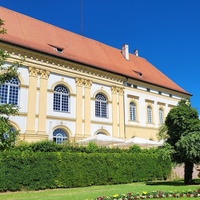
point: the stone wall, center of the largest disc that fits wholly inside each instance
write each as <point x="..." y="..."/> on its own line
<point x="178" y="172"/>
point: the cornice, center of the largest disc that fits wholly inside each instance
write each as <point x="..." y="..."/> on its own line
<point x="58" y="65"/>
<point x="51" y="117"/>
<point x="104" y="123"/>
<point x="138" y="126"/>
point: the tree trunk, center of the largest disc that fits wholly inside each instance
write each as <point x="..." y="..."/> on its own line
<point x="188" y="170"/>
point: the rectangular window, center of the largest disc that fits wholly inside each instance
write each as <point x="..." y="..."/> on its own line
<point x="161" y="116"/>
<point x="149" y="115"/>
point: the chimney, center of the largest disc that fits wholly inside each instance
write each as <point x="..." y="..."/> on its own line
<point x="136" y="52"/>
<point x="125" y="51"/>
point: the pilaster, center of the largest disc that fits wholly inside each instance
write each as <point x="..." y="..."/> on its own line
<point x="121" y="113"/>
<point x="114" y="112"/>
<point x="87" y="105"/>
<point x="79" y="107"/>
<point x="43" y="102"/>
<point x="31" y="112"/>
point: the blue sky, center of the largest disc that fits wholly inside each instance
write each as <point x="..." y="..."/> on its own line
<point x="166" y="32"/>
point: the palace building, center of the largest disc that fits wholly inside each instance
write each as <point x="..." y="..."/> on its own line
<point x="71" y="87"/>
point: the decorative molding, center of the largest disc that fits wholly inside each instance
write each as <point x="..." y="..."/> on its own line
<point x="133" y="96"/>
<point x="65" y="66"/>
<point x="113" y="89"/>
<point x="64" y="119"/>
<point x="100" y="122"/>
<point x="119" y="90"/>
<point x="44" y="74"/>
<point x="33" y="71"/>
<point x="161" y="103"/>
<point x="149" y="101"/>
<point x="79" y="81"/>
<point x="88" y="83"/>
<point x="171" y="106"/>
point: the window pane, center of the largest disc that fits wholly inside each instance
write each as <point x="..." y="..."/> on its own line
<point x="149" y="115"/>
<point x="132" y="112"/>
<point x="61" y="99"/>
<point x="56" y="102"/>
<point x="100" y="106"/>
<point x="64" y="103"/>
<point x="13" y="96"/>
<point x="3" y="93"/>
<point x="103" y="109"/>
<point x="59" y="136"/>
<point x="161" y="116"/>
<point x="9" y="92"/>
<point x="97" y="109"/>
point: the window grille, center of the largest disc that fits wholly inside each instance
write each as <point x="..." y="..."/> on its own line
<point x="9" y="92"/>
<point x="61" y="99"/>
<point x="149" y="114"/>
<point x="161" y="116"/>
<point x="132" y="112"/>
<point x="100" y="106"/>
<point x="59" y="136"/>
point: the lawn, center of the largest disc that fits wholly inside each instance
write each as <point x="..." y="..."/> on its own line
<point x="95" y="191"/>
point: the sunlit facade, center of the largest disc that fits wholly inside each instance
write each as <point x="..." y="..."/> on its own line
<point x="63" y="99"/>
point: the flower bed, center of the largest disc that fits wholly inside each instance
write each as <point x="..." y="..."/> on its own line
<point x="152" y="195"/>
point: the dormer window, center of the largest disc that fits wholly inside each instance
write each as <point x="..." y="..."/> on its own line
<point x="138" y="73"/>
<point x="56" y="48"/>
<point x="59" y="50"/>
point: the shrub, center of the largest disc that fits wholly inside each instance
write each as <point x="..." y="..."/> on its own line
<point x="41" y="170"/>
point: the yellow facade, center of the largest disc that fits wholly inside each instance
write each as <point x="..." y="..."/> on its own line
<point x="37" y="120"/>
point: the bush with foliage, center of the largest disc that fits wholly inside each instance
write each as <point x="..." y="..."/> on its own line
<point x="41" y="170"/>
<point x="50" y="146"/>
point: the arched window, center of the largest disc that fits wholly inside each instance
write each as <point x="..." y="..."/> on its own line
<point x="161" y="116"/>
<point x="149" y="114"/>
<point x="9" y="92"/>
<point x="61" y="99"/>
<point x="132" y="111"/>
<point x="100" y="105"/>
<point x="59" y="136"/>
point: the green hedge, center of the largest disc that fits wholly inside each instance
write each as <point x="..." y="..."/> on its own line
<point x="41" y="170"/>
<point x="50" y="146"/>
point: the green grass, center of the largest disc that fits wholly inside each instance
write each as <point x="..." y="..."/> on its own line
<point x="96" y="191"/>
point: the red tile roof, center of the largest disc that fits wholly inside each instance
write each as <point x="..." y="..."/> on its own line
<point x="39" y="36"/>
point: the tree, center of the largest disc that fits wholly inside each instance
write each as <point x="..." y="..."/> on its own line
<point x="7" y="72"/>
<point x="182" y="128"/>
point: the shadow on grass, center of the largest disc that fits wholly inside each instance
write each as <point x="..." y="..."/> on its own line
<point x="172" y="183"/>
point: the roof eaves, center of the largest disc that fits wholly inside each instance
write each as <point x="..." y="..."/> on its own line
<point x="120" y="74"/>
